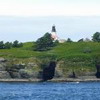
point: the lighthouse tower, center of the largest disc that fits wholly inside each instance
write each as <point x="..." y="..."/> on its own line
<point x="53" y="33"/>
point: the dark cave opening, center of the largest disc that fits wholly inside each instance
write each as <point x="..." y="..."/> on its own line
<point x="49" y="71"/>
<point x="98" y="70"/>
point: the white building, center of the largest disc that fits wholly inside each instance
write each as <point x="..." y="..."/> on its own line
<point x="54" y="35"/>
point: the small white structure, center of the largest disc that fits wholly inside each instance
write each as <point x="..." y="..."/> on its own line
<point x="62" y="40"/>
<point x="53" y="33"/>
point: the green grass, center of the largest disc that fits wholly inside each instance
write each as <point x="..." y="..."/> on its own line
<point x="72" y="55"/>
<point x="65" y="50"/>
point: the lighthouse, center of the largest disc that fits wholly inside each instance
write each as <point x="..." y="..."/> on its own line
<point x="53" y="33"/>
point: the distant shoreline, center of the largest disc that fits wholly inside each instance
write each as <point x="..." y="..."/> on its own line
<point x="53" y="80"/>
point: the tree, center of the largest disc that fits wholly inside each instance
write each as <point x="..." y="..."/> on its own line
<point x="7" y="45"/>
<point x="56" y="43"/>
<point x="81" y="40"/>
<point x="17" y="44"/>
<point x="1" y="45"/>
<point x="96" y="37"/>
<point x="87" y="40"/>
<point x="69" y="40"/>
<point x="20" y="44"/>
<point x="44" y="43"/>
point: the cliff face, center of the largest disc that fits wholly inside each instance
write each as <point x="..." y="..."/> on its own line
<point x="4" y="74"/>
<point x="9" y="70"/>
<point x="66" y="69"/>
<point x="98" y="70"/>
<point x="37" y="69"/>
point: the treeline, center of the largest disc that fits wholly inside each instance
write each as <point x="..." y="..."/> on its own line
<point x="8" y="45"/>
<point x="46" y="42"/>
<point x="95" y="38"/>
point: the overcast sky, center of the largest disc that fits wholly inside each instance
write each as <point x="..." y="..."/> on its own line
<point x="27" y="20"/>
<point x="49" y="7"/>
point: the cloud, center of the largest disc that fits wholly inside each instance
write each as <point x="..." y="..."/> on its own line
<point x="49" y="8"/>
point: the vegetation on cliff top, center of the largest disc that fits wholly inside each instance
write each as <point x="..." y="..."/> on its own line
<point x="83" y="50"/>
<point x="72" y="56"/>
<point x="67" y="50"/>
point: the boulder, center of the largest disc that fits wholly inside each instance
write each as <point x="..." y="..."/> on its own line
<point x="2" y="60"/>
<point x="19" y="66"/>
<point x="14" y="70"/>
<point x="15" y="74"/>
<point x="58" y="74"/>
<point x="24" y="73"/>
<point x="30" y="65"/>
<point x="4" y="75"/>
<point x="2" y="67"/>
<point x="58" y="70"/>
<point x="16" y="67"/>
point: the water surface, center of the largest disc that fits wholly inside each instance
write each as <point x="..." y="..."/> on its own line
<point x="50" y="91"/>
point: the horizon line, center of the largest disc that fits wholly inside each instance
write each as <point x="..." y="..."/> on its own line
<point x="52" y="16"/>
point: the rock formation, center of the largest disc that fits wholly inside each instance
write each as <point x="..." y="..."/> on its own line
<point x="98" y="70"/>
<point x="48" y="72"/>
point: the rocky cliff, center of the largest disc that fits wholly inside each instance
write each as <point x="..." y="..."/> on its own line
<point x="39" y="69"/>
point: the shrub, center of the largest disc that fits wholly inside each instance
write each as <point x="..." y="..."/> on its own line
<point x="7" y="45"/>
<point x="1" y="45"/>
<point x="17" y="44"/>
<point x="81" y="40"/>
<point x="96" y="37"/>
<point x="87" y="50"/>
<point x="69" y="40"/>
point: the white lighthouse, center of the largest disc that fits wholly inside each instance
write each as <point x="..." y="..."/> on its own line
<point x="53" y="33"/>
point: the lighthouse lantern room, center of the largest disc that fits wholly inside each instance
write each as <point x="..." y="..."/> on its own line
<point x="53" y="33"/>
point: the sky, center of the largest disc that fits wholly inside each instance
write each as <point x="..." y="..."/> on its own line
<point x="50" y="7"/>
<point x="27" y="20"/>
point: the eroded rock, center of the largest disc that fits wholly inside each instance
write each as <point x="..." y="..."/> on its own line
<point x="2" y="67"/>
<point x="4" y="75"/>
<point x="2" y="60"/>
<point x="98" y="70"/>
<point x="49" y="71"/>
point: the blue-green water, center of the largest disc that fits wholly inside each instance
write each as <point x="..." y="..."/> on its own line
<point x="50" y="91"/>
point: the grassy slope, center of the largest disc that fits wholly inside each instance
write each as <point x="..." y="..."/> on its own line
<point x="65" y="50"/>
<point x="71" y="54"/>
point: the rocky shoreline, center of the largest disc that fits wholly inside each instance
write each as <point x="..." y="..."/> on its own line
<point x="32" y="72"/>
<point x="53" y="80"/>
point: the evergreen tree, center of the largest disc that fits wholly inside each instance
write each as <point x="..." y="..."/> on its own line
<point x="81" y="40"/>
<point x="44" y="43"/>
<point x="17" y="44"/>
<point x="1" y="45"/>
<point x="69" y="40"/>
<point x="96" y="37"/>
<point x="20" y="45"/>
<point x="7" y="45"/>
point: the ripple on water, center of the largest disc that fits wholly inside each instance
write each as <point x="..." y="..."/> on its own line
<point x="50" y="91"/>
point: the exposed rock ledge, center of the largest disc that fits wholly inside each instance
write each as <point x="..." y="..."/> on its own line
<point x="53" y="80"/>
<point x="31" y="72"/>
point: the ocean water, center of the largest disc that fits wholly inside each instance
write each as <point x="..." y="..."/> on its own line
<point x="50" y="91"/>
